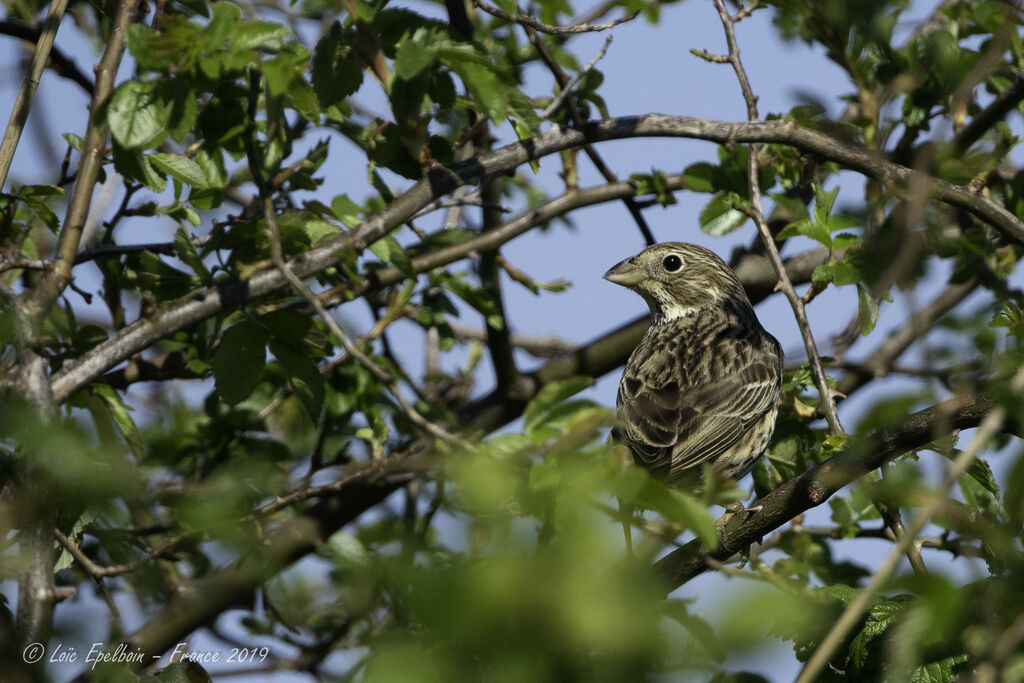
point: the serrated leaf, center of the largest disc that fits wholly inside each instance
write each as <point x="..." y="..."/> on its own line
<point x="719" y="218"/>
<point x="239" y="360"/>
<point x="304" y="377"/>
<point x="867" y="310"/>
<point x="136" y="115"/>
<point x="823" y="202"/>
<point x="180" y="167"/>
<point x="259" y="35"/>
<point x="75" y="142"/>
<point x="700" y="177"/>
<point x="120" y="413"/>
<point x="346" y="211"/>
<point x="186" y="251"/>
<point x="486" y="87"/>
<point x="415" y="53"/>
<point x="548" y="398"/>
<point x="336" y="72"/>
<point x="882" y="615"/>
<point x="808" y="228"/>
<point x="388" y="249"/>
<point x="845" y="273"/>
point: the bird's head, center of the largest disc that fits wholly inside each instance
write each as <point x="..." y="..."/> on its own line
<point x="677" y="278"/>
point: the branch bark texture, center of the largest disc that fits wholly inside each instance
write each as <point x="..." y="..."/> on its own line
<point x="440" y="181"/>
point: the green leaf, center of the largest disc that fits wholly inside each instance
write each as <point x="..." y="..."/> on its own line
<point x="346" y="211"/>
<point x="224" y="17"/>
<point x="120" y="413"/>
<point x="867" y="310"/>
<point x="943" y="671"/>
<point x="700" y="177"/>
<point x="389" y="250"/>
<point x="74" y="141"/>
<point x="182" y="168"/>
<point x="239" y="360"/>
<point x="547" y="400"/>
<point x="881" y="616"/>
<point x="823" y="202"/>
<point x="336" y="72"/>
<point x="486" y="87"/>
<point x="719" y="217"/>
<point x="259" y="35"/>
<point x="808" y="228"/>
<point x="677" y="506"/>
<point x="303" y="375"/>
<point x="186" y="251"/>
<point x="136" y="115"/>
<point x="415" y="53"/>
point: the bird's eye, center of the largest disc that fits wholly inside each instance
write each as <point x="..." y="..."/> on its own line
<point x="672" y="263"/>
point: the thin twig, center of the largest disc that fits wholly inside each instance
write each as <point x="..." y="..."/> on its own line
<point x="23" y="103"/>
<point x="382" y="375"/>
<point x="61" y="63"/>
<point x="851" y="615"/>
<point x="571" y="29"/>
<point x="99" y="572"/>
<point x="563" y="82"/>
<point x="567" y="89"/>
<point x="470" y="199"/>
<point x="54" y="281"/>
<point x="827" y="400"/>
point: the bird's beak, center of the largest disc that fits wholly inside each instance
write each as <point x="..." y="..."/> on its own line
<point x="625" y="273"/>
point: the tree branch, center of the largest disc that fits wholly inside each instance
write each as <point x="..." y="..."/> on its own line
<point x="819" y="483"/>
<point x="992" y="423"/>
<point x="572" y="29"/>
<point x="440" y="181"/>
<point x="63" y="65"/>
<point x="53" y="282"/>
<point x="206" y="598"/>
<point x="828" y="402"/>
<point x="23" y="103"/>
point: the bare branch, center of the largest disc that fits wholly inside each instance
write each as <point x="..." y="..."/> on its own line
<point x="564" y="84"/>
<point x="819" y="483"/>
<point x="54" y="281"/>
<point x="796" y="302"/>
<point x="572" y="29"/>
<point x="566" y="90"/>
<point x="23" y="103"/>
<point x="384" y="377"/>
<point x="62" y="64"/>
<point x="440" y="181"/>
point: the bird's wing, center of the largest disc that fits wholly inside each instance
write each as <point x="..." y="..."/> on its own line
<point x="674" y="427"/>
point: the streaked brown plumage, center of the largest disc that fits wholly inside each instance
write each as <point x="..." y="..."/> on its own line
<point x="703" y="384"/>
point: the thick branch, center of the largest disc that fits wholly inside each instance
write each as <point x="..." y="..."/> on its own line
<point x="818" y="484"/>
<point x="440" y="181"/>
<point x="23" y="103"/>
<point x="54" y="281"/>
<point x="205" y="599"/>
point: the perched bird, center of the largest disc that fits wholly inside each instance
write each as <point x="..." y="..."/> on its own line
<point x="703" y="384"/>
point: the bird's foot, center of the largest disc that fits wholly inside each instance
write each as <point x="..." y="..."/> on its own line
<point x="733" y="509"/>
